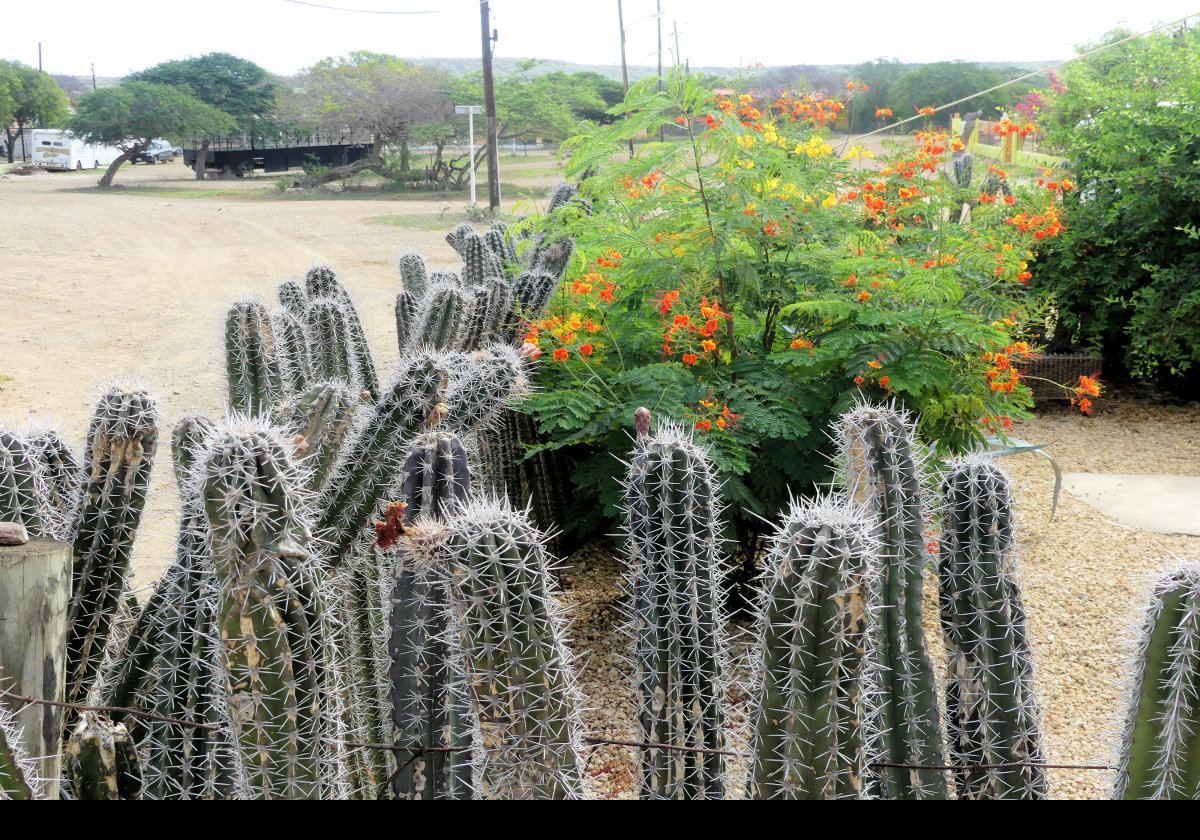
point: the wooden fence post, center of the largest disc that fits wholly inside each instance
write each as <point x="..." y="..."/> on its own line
<point x="35" y="588"/>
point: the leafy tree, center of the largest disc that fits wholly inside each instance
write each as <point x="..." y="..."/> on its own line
<point x="879" y="76"/>
<point x="549" y="105"/>
<point x="240" y="88"/>
<point x="33" y="97"/>
<point x="132" y="114"/>
<point x="1124" y="273"/>
<point x="947" y="81"/>
<point x="375" y="93"/>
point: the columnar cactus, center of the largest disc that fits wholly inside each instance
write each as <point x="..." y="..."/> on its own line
<point x="672" y="536"/>
<point x="880" y="464"/>
<point x="413" y="273"/>
<point x="18" y="774"/>
<point x="964" y="168"/>
<point x="440" y="318"/>
<point x="270" y="617"/>
<point x="291" y="343"/>
<point x="991" y="711"/>
<point x="368" y="463"/>
<point x="331" y="344"/>
<point x="252" y="359"/>
<point x="1157" y="757"/>
<point x="324" y="416"/>
<point x="406" y="317"/>
<point x="811" y="715"/>
<point x="101" y="761"/>
<point x="63" y="473"/>
<point x="24" y="495"/>
<point x="479" y="263"/>
<point x="482" y="385"/>
<point x="456" y="237"/>
<point x="531" y="291"/>
<point x="519" y="669"/>
<point x="122" y="440"/>
<point x="502" y="249"/>
<point x="169" y="664"/>
<point x="436" y="476"/>
<point x="294" y="298"/>
<point x="322" y="282"/>
<point x="428" y="682"/>
<point x="488" y="307"/>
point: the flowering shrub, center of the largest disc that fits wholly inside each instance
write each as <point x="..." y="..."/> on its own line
<point x="1124" y="276"/>
<point x="755" y="279"/>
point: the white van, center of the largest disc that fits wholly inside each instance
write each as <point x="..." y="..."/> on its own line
<point x="57" y="149"/>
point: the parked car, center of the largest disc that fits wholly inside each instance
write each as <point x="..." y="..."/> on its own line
<point x="159" y="151"/>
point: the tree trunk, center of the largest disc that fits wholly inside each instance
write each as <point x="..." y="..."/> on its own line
<point x="9" y="135"/>
<point x="35" y="587"/>
<point x="107" y="180"/>
<point x="24" y="145"/>
<point x="202" y="160"/>
<point x="340" y="172"/>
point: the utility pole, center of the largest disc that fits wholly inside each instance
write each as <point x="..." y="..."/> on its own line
<point x="93" y="77"/>
<point x="624" y="66"/>
<point x="662" y="129"/>
<point x="39" y="55"/>
<point x="678" y="55"/>
<point x="489" y="104"/>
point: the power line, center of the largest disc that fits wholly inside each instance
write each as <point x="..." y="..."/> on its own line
<point x="1087" y="54"/>
<point x="363" y="11"/>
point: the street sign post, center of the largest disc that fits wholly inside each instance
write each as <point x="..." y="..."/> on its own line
<point x="470" y="111"/>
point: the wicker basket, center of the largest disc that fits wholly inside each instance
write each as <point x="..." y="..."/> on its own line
<point x="1046" y="374"/>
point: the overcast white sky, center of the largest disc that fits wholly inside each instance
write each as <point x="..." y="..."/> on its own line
<point x="285" y="36"/>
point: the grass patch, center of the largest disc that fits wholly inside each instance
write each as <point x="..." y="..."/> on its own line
<point x="421" y="221"/>
<point x="176" y="192"/>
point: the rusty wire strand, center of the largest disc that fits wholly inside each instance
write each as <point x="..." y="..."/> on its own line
<point x="419" y="751"/>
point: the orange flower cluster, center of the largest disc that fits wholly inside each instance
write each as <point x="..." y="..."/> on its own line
<point x="927" y="111"/>
<point x="999" y="421"/>
<point x="681" y="324"/>
<point x="809" y="110"/>
<point x="1002" y="377"/>
<point x="883" y="112"/>
<point x="1089" y="386"/>
<point x="637" y="189"/>
<point x="1042" y="224"/>
<point x="611" y="259"/>
<point x="1006" y="127"/>
<point x="713" y="414"/>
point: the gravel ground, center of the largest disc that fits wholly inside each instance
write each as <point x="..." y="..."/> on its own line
<point x="1084" y="578"/>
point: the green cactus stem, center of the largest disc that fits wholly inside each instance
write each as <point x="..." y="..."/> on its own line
<point x="291" y="335"/>
<point x="331" y="343"/>
<point x="122" y="440"/>
<point x="322" y="282"/>
<point x="413" y="274"/>
<point x="406" y="316"/>
<point x="428" y="681"/>
<point x="991" y="712"/>
<point x="18" y="780"/>
<point x="63" y="474"/>
<point x="519" y="670"/>
<point x="1158" y="753"/>
<point x="880" y="465"/>
<point x="270" y="618"/>
<point x="24" y="494"/>
<point x="440" y="319"/>
<point x="810" y="719"/>
<point x="293" y="297"/>
<point x="672" y="537"/>
<point x="101" y="761"/>
<point x="252" y="359"/>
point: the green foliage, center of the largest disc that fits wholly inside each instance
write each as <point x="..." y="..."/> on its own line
<point x="29" y="97"/>
<point x="947" y="81"/>
<point x="234" y="85"/>
<point x="132" y="114"/>
<point x="750" y="282"/>
<point x="549" y="106"/>
<point x="1124" y="273"/>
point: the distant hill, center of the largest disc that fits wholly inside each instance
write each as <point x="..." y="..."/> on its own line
<point x="507" y="66"/>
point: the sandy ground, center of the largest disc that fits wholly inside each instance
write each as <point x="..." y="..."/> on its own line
<point x="94" y="285"/>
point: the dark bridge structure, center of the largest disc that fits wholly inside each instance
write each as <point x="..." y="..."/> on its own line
<point x="242" y="154"/>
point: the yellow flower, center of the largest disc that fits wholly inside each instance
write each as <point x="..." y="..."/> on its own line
<point x="829" y="201"/>
<point x="745" y="141"/>
<point x="769" y="136"/>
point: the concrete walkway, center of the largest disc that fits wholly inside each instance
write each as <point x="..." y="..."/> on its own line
<point x="1165" y="504"/>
